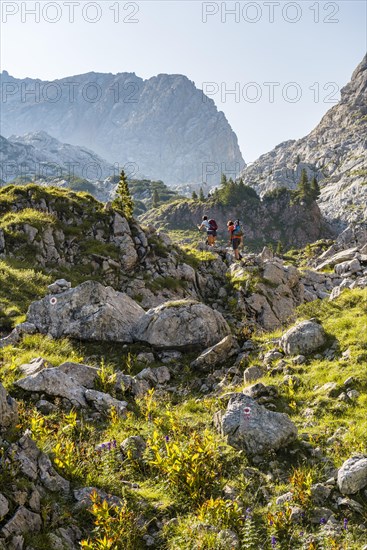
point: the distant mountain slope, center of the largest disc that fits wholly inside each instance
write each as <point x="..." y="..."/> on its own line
<point x="273" y="219"/>
<point x="165" y="126"/>
<point x="42" y="155"/>
<point x="335" y="151"/>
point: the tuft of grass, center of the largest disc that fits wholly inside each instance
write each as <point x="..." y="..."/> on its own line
<point x="32" y="346"/>
<point x="35" y="218"/>
<point x="169" y="283"/>
<point x="18" y="288"/>
<point x="194" y="257"/>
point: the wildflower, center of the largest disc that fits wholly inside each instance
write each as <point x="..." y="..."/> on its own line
<point x="248" y="513"/>
<point x="167" y="438"/>
<point x="322" y="521"/>
<point x="345" y="523"/>
<point x="273" y="541"/>
<point x="106" y="445"/>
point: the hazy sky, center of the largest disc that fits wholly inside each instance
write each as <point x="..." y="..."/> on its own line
<point x="285" y="61"/>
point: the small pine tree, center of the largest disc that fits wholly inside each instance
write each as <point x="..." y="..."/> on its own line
<point x="223" y="180"/>
<point x="201" y="195"/>
<point x="315" y="188"/>
<point x="303" y="191"/>
<point x="194" y="196"/>
<point x="123" y="200"/>
<point x="155" y="198"/>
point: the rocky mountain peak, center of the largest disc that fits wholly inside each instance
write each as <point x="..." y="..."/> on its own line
<point x="163" y="126"/>
<point x="334" y="152"/>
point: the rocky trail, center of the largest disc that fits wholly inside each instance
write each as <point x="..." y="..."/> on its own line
<point x="167" y="397"/>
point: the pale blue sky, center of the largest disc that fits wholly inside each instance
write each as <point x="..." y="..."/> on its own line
<point x="171" y="37"/>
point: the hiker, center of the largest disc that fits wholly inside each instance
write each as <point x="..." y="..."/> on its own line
<point x="235" y="237"/>
<point x="210" y="227"/>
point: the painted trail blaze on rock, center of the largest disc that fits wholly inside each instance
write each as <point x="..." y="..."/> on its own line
<point x="89" y="311"/>
<point x="250" y="426"/>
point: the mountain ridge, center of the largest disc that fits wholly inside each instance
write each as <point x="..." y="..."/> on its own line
<point x="162" y="124"/>
<point x="334" y="152"/>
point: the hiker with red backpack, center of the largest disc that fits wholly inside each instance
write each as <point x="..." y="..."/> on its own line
<point x="210" y="227"/>
<point x="235" y="237"/>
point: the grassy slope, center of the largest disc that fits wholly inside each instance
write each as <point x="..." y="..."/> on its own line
<point x="194" y="447"/>
<point x="184" y="476"/>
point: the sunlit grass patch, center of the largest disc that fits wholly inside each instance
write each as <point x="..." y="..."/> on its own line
<point x="35" y="218"/>
<point x="32" y="346"/>
<point x="18" y="288"/>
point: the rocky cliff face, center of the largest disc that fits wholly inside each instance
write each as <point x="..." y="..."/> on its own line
<point x="39" y="154"/>
<point x="265" y="221"/>
<point x="335" y="152"/>
<point x="164" y="126"/>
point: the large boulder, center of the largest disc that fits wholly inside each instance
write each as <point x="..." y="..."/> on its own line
<point x="55" y="383"/>
<point x="217" y="354"/>
<point x="90" y="311"/>
<point x="343" y="256"/>
<point x="352" y="476"/>
<point x="250" y="426"/>
<point x="353" y="266"/>
<point x="182" y="324"/>
<point x="23" y="521"/>
<point x="8" y="410"/>
<point x="304" y="338"/>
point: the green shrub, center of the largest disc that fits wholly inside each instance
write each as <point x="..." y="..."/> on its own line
<point x="116" y="527"/>
<point x="190" y="465"/>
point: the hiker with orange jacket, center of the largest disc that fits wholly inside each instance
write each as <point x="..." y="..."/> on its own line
<point x="235" y="237"/>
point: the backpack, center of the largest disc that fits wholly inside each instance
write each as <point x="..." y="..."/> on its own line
<point x="238" y="231"/>
<point x="213" y="225"/>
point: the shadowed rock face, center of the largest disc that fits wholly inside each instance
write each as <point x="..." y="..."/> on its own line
<point x="335" y="152"/>
<point x="165" y="127"/>
<point x="8" y="410"/>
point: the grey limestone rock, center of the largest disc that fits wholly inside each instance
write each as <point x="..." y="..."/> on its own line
<point x="89" y="311"/>
<point x="304" y="338"/>
<point x="250" y="426"/>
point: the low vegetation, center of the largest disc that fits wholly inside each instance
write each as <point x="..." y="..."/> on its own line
<point x="189" y="486"/>
<point x="186" y="465"/>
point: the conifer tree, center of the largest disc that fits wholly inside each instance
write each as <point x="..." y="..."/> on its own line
<point x="123" y="200"/>
<point x="194" y="196"/>
<point x="155" y="198"/>
<point x="223" y="180"/>
<point x="303" y="191"/>
<point x="201" y="195"/>
<point x="315" y="188"/>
